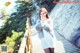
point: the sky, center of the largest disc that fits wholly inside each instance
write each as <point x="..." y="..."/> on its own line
<point x="7" y="9"/>
<point x="2" y="3"/>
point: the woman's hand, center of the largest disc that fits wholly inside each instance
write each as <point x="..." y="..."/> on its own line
<point x="46" y="28"/>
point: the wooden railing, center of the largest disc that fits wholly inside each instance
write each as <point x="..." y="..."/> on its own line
<point x="26" y="45"/>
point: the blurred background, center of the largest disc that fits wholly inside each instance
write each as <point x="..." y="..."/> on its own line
<point x="14" y="13"/>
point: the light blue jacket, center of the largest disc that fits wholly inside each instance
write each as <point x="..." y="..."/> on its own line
<point x="40" y="29"/>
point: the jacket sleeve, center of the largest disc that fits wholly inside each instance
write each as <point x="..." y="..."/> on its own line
<point x="38" y="26"/>
<point x="49" y="27"/>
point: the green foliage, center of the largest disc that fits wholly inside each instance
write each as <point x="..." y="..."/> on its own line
<point x="11" y="41"/>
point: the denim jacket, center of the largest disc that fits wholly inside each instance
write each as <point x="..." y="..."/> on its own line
<point x="39" y="29"/>
<point x="47" y="26"/>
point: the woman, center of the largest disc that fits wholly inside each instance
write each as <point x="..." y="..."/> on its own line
<point x="44" y="27"/>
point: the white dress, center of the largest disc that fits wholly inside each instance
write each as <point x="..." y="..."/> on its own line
<point x="47" y="40"/>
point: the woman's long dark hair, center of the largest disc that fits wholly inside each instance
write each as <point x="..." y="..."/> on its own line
<point x="46" y="12"/>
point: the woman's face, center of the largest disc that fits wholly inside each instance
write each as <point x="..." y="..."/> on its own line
<point x="43" y="12"/>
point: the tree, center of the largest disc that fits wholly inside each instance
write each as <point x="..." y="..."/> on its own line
<point x="16" y="23"/>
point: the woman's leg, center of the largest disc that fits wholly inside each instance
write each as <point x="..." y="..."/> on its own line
<point x="51" y="50"/>
<point x="47" y="50"/>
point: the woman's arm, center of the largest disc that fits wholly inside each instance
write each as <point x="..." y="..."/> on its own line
<point x="38" y="26"/>
<point x="49" y="27"/>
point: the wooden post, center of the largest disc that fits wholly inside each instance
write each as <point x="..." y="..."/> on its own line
<point x="28" y="39"/>
<point x="26" y="44"/>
